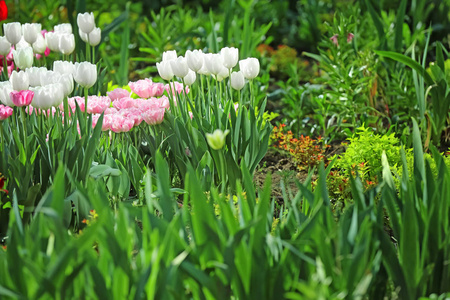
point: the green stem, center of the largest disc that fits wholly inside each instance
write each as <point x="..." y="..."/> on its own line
<point x="86" y="91"/>
<point x="222" y="171"/>
<point x="252" y="100"/>
<point x="24" y="127"/>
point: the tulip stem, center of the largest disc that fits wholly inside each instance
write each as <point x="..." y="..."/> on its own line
<point x="24" y="125"/>
<point x="5" y="68"/>
<point x="1" y="138"/>
<point x="93" y="55"/>
<point x="222" y="170"/>
<point x="86" y="91"/>
<point x="252" y="100"/>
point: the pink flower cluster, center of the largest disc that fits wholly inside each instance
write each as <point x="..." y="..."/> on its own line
<point x="146" y="88"/>
<point x="5" y="112"/>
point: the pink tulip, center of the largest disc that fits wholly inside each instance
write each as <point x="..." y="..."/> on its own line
<point x="5" y="112"/>
<point x="121" y="124"/>
<point x="334" y="39"/>
<point x="22" y="98"/>
<point x="98" y="104"/>
<point x="125" y="103"/>
<point x="118" y="94"/>
<point x="154" y="116"/>
<point x="110" y="110"/>
<point x="147" y="88"/>
<point x="133" y="114"/>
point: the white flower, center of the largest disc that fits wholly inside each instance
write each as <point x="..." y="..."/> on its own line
<point x="65" y="28"/>
<point x="39" y="46"/>
<point x="216" y="140"/>
<point x="5" y="46"/>
<point x="194" y="59"/>
<point x="214" y="63"/>
<point x="179" y="66"/>
<point x="67" y="82"/>
<point x="23" y="57"/>
<point x="52" y="40"/>
<point x="230" y="57"/>
<point x="50" y="77"/>
<point x="66" y="43"/>
<point x="63" y="67"/>
<point x="13" y="32"/>
<point x="237" y="80"/>
<point x="31" y="31"/>
<point x="84" y="36"/>
<point x="169" y="55"/>
<point x="95" y="36"/>
<point x="85" y="74"/>
<point x="5" y="90"/>
<point x="86" y="22"/>
<point x="165" y="70"/>
<point x="249" y="67"/>
<point x="190" y="78"/>
<point x="35" y="74"/>
<point x="19" y="80"/>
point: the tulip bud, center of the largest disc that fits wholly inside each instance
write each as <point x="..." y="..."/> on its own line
<point x="249" y="67"/>
<point x="42" y="97"/>
<point x="5" y="112"/>
<point x="85" y="74"/>
<point x="31" y="31"/>
<point x="39" y="46"/>
<point x="63" y="67"/>
<point x="86" y="22"/>
<point x="67" y="82"/>
<point x="223" y="73"/>
<point x="95" y="36"/>
<point x="57" y="92"/>
<point x="22" y="44"/>
<point x="21" y="98"/>
<point x="165" y="70"/>
<point x="216" y="140"/>
<point x="5" y="46"/>
<point x="84" y="36"/>
<point x="35" y="74"/>
<point x="23" y="58"/>
<point x="169" y="55"/>
<point x="190" y="78"/>
<point x="179" y="67"/>
<point x="52" y="40"/>
<point x="194" y="59"/>
<point x="67" y="43"/>
<point x="237" y="80"/>
<point x="19" y="80"/>
<point x="5" y="90"/>
<point x="50" y="77"/>
<point x="13" y="32"/>
<point x="214" y="63"/>
<point x="230" y="57"/>
<point x="65" y="28"/>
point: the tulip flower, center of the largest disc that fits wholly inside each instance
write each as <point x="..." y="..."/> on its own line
<point x="190" y="78"/>
<point x="194" y="59"/>
<point x="39" y="46"/>
<point x="153" y="116"/>
<point x="19" y="80"/>
<point x="63" y="67"/>
<point x="65" y="28"/>
<point x="5" y="90"/>
<point x="237" y="80"/>
<point x="47" y="96"/>
<point x="86" y="22"/>
<point x="214" y="63"/>
<point x="169" y="55"/>
<point x="50" y="77"/>
<point x="21" y="98"/>
<point x="35" y="74"/>
<point x="230" y="57"/>
<point x="179" y="67"/>
<point x="5" y="112"/>
<point x="52" y="40"/>
<point x="165" y="70"/>
<point x="23" y="58"/>
<point x="223" y="73"/>
<point x="31" y="31"/>
<point x="84" y="36"/>
<point x="249" y="67"/>
<point x="146" y="88"/>
<point x="3" y="10"/>
<point x="216" y="140"/>
<point x="66" y="44"/>
<point x="85" y="74"/>
<point x="120" y="93"/>
<point x="13" y="32"/>
<point x="95" y="36"/>
<point x="5" y="46"/>
<point x="67" y="82"/>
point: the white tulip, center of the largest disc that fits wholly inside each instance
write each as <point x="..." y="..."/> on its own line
<point x="31" y="31"/>
<point x="63" y="67"/>
<point x="95" y="37"/>
<point x="85" y="74"/>
<point x="230" y="57"/>
<point x="13" y="32"/>
<point x="23" y="57"/>
<point x="190" y="78"/>
<point x="19" y="80"/>
<point x="237" y="80"/>
<point x="35" y="74"/>
<point x="67" y="82"/>
<point x="179" y="66"/>
<point x="84" y="36"/>
<point x="52" y="40"/>
<point x="5" y="46"/>
<point x="39" y="46"/>
<point x="214" y="63"/>
<point x="249" y="67"/>
<point x="223" y="73"/>
<point x="165" y="70"/>
<point x="50" y="77"/>
<point x="66" y="43"/>
<point x="194" y="59"/>
<point x="5" y="90"/>
<point x="86" y="22"/>
<point x="65" y="28"/>
<point x="169" y="55"/>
